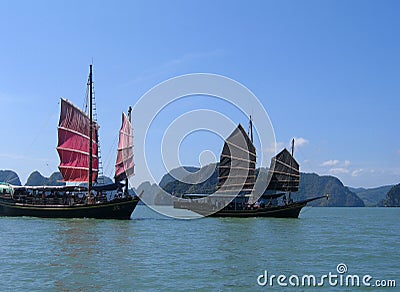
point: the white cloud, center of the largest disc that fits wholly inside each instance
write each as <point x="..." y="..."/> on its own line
<point x="299" y="142"/>
<point x="334" y="162"/>
<point x="338" y="170"/>
<point x="357" y="172"/>
<point x="330" y="163"/>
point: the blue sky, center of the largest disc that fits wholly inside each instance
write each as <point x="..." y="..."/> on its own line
<point x="326" y="72"/>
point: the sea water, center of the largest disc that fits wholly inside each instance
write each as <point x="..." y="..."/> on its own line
<point x="153" y="252"/>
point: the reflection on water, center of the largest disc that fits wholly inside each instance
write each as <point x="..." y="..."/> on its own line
<point x="74" y="246"/>
<point x="90" y="249"/>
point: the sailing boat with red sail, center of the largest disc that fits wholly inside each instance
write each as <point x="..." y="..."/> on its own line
<point x="79" y="163"/>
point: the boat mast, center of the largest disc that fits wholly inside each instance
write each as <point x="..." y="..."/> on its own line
<point x="126" y="179"/>
<point x="251" y="129"/>
<point x="251" y="138"/>
<point x="293" y="147"/>
<point x="90" y="132"/>
<point x="290" y="192"/>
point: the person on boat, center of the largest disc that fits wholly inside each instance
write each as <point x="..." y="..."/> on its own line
<point x="101" y="197"/>
<point x="284" y="200"/>
<point x="70" y="200"/>
<point x="90" y="199"/>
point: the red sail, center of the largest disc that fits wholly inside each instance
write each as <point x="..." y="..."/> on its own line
<point x="124" y="166"/>
<point x="73" y="144"/>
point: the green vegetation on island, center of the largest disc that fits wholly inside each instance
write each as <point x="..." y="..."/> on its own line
<point x="312" y="184"/>
<point x="372" y="196"/>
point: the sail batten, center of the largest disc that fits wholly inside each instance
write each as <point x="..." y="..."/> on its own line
<point x="74" y="150"/>
<point x="77" y="168"/>
<point x="124" y="166"/>
<point x="240" y="148"/>
<point x="74" y="143"/>
<point x="74" y="132"/>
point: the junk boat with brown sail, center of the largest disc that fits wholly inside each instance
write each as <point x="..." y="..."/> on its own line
<point x="236" y="194"/>
<point x="79" y="162"/>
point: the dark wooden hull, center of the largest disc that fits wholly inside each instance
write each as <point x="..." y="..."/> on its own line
<point x="288" y="211"/>
<point x="115" y="209"/>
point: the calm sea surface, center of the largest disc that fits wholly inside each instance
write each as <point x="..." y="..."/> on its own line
<point x="152" y="252"/>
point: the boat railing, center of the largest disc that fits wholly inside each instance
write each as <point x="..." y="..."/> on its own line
<point x="66" y="200"/>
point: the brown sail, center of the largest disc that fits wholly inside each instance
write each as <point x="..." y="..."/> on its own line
<point x="284" y="172"/>
<point x="237" y="163"/>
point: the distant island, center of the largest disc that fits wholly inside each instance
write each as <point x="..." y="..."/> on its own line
<point x="371" y="196"/>
<point x="10" y="177"/>
<point x="311" y="184"/>
<point x="36" y="179"/>
<point x="392" y="198"/>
